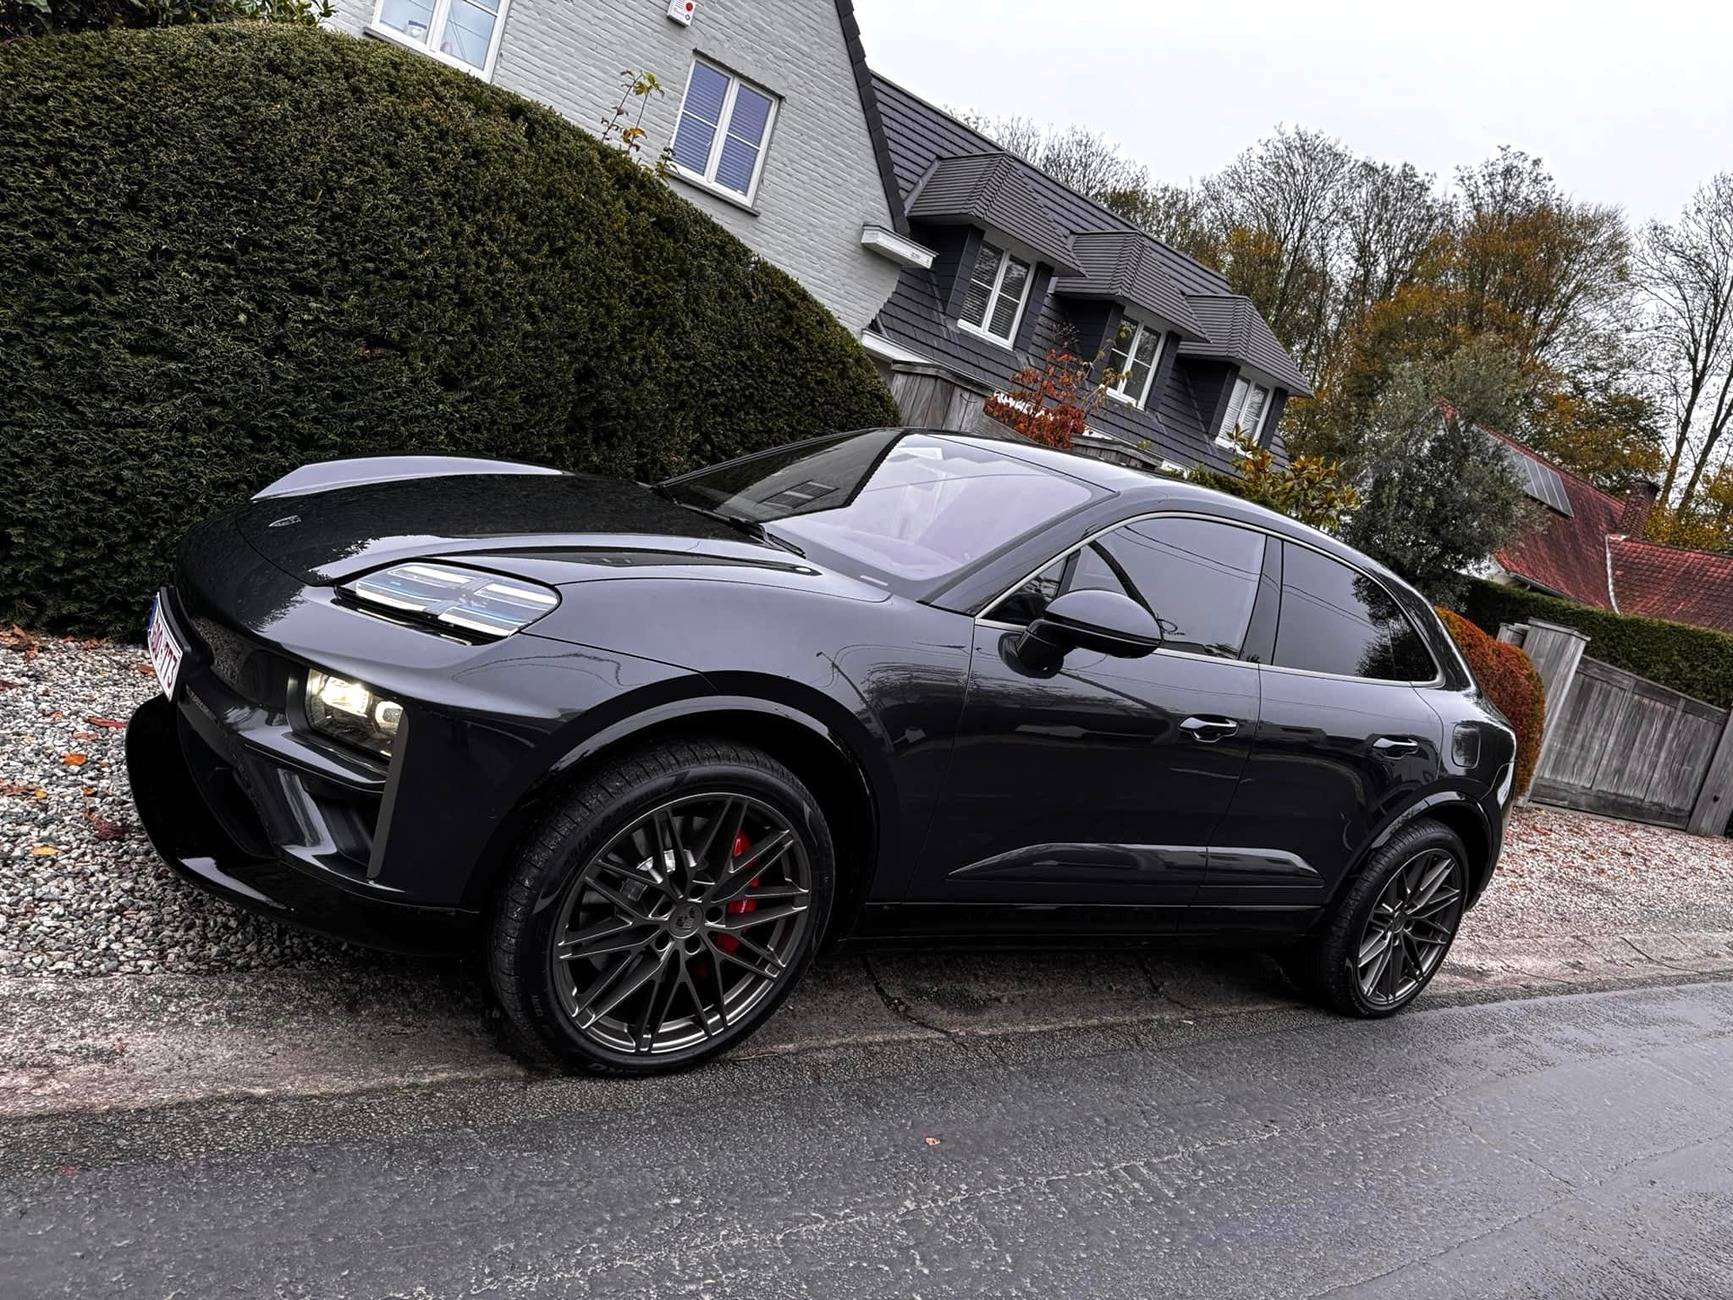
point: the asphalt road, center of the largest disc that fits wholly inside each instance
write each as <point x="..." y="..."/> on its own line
<point x="1567" y="1146"/>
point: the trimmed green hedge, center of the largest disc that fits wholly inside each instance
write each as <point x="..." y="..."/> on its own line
<point x="228" y="251"/>
<point x="1694" y="660"/>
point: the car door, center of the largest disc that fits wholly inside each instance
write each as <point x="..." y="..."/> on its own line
<point x="1343" y="740"/>
<point x="1102" y="783"/>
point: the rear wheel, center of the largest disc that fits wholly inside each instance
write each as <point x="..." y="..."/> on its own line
<point x="1392" y="929"/>
<point x="664" y="911"/>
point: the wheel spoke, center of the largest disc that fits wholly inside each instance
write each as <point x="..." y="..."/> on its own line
<point x="769" y="893"/>
<point x="656" y="1005"/>
<point x="616" y="934"/>
<point x="1439" y="902"/>
<point x="619" y="900"/>
<point x="627" y="977"/>
<point x="1393" y="970"/>
<point x="724" y="829"/>
<point x="738" y="876"/>
<point x="1374" y="944"/>
<point x="735" y="922"/>
<point x="767" y="970"/>
<point x="1370" y="982"/>
<point x="699" y="1014"/>
<point x="1431" y="883"/>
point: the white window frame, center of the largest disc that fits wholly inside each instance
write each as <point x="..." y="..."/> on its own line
<point x="706" y="180"/>
<point x="1236" y="407"/>
<point x="1138" y="329"/>
<point x="985" y="328"/>
<point x="436" y="23"/>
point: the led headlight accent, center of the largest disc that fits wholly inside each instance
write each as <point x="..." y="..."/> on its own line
<point x="353" y="713"/>
<point x="485" y="604"/>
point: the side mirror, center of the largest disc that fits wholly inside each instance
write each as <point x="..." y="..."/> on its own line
<point x="1108" y="621"/>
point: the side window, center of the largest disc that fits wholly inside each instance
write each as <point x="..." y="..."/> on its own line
<point x="1335" y="620"/>
<point x="1199" y="579"/>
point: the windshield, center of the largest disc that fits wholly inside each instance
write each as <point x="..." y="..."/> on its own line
<point x="910" y="506"/>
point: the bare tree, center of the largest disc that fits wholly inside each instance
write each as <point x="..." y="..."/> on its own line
<point x="1546" y="272"/>
<point x="1686" y="271"/>
<point x="1085" y="160"/>
<point x="1277" y="208"/>
<point x="1392" y="221"/>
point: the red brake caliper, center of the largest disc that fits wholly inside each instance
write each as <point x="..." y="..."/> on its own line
<point x="740" y="906"/>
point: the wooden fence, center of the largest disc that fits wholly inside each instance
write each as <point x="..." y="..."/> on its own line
<point x="1621" y="745"/>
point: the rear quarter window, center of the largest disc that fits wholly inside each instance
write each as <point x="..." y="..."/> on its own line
<point x="1337" y="620"/>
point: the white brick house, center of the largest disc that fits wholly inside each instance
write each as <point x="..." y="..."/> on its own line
<point x="768" y="107"/>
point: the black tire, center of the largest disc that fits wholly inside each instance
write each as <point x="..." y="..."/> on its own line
<point x="1327" y="968"/>
<point x="602" y="824"/>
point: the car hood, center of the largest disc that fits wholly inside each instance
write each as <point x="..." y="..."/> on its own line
<point x="555" y="528"/>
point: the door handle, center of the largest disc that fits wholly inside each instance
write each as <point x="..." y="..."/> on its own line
<point x="1206" y="731"/>
<point x="1396" y="746"/>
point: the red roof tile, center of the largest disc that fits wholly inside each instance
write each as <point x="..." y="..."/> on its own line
<point x="1666" y="582"/>
<point x="1566" y="554"/>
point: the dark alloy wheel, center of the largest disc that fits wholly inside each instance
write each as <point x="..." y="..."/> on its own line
<point x="665" y="910"/>
<point x="1392" y="928"/>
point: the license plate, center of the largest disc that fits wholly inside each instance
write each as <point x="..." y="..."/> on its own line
<point x="165" y="654"/>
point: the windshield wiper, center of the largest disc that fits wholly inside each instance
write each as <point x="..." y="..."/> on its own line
<point x="750" y="527"/>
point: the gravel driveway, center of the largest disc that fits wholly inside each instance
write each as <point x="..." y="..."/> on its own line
<point x="81" y="892"/>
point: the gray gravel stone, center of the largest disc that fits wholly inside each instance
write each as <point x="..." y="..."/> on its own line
<point x="81" y="890"/>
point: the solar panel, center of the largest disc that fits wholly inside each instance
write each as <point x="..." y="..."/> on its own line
<point x="1542" y="482"/>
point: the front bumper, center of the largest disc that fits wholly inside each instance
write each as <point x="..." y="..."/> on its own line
<point x="194" y="807"/>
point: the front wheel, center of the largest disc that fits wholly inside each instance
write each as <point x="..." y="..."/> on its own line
<point x="664" y="910"/>
<point x="1392" y="928"/>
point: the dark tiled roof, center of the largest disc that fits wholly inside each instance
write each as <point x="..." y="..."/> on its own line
<point x="988" y="189"/>
<point x="863" y="80"/>
<point x="1124" y="265"/>
<point x="918" y="135"/>
<point x="1236" y="331"/>
<point x="1666" y="582"/>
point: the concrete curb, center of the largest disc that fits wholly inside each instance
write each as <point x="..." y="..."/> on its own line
<point x="133" y="1042"/>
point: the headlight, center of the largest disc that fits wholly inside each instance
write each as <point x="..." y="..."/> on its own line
<point x="352" y="713"/>
<point x="485" y="604"/>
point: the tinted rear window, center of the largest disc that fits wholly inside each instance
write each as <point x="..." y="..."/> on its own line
<point x="1336" y="620"/>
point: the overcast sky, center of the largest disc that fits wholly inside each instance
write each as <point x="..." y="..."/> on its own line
<point x="1629" y="104"/>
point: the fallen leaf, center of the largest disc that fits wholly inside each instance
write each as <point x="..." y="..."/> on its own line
<point x="20" y="640"/>
<point x="144" y="670"/>
<point x="44" y="851"/>
<point x="932" y="1141"/>
<point x="41" y="793"/>
<point x="75" y="759"/>
<point x="16" y="788"/>
<point x="84" y="735"/>
<point x="113" y="724"/>
<point x="102" y="827"/>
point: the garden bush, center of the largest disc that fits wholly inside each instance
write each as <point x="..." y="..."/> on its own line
<point x="229" y="250"/>
<point x="1694" y="660"/>
<point x="1507" y="676"/>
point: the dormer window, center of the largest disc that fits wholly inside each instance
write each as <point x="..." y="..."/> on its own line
<point x="1246" y="411"/>
<point x="998" y="291"/>
<point x="1136" y="350"/>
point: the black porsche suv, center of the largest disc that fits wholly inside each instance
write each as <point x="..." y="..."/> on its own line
<point x="650" y="746"/>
